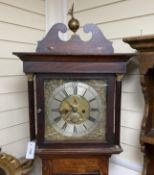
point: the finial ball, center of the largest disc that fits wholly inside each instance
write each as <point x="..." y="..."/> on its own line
<point x="73" y="24"/>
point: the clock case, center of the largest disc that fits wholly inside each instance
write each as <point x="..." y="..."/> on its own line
<point x="74" y="60"/>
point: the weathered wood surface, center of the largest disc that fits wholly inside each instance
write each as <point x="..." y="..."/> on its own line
<point x="145" y="46"/>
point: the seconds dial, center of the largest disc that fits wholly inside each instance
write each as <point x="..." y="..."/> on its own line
<point x="74" y="109"/>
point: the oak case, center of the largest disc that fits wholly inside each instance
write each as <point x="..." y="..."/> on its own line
<point x="75" y="61"/>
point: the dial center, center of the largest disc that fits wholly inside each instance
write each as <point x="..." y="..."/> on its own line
<point x="77" y="108"/>
<point x="74" y="109"/>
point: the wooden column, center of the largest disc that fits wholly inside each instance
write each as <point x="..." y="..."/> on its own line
<point x="118" y="107"/>
<point x="145" y="48"/>
<point x="30" y="78"/>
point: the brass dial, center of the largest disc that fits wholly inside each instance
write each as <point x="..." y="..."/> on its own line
<point x="74" y="109"/>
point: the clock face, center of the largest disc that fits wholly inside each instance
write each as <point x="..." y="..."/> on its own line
<point x="75" y="110"/>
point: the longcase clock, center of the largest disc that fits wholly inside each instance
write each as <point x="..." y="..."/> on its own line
<point x="75" y="94"/>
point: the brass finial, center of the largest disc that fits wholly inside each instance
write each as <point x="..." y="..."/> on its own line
<point x="73" y="23"/>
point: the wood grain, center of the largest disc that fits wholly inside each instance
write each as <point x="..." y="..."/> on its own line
<point x="80" y="165"/>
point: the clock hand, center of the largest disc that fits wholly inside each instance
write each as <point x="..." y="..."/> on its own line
<point x="73" y="106"/>
<point x="70" y="105"/>
<point x="75" y="100"/>
<point x="68" y="115"/>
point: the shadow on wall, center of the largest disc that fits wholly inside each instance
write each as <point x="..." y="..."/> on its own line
<point x="133" y="66"/>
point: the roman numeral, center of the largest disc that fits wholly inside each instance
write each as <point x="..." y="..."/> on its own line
<point x="57" y="119"/>
<point x="64" y="126"/>
<point x="92" y="119"/>
<point x="75" y="88"/>
<point x="55" y="110"/>
<point x="75" y="129"/>
<point x="65" y="93"/>
<point x="84" y="93"/>
<point x="57" y="100"/>
<point x="94" y="109"/>
<point x="84" y="126"/>
<point x="92" y="100"/>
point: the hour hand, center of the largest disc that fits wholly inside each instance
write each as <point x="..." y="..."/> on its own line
<point x="72" y="106"/>
<point x="68" y="103"/>
<point x="75" y="101"/>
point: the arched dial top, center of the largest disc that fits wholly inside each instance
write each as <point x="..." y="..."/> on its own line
<point x="74" y="109"/>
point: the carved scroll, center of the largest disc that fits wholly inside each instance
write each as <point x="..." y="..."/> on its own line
<point x="145" y="46"/>
<point x="9" y="165"/>
<point x="98" y="44"/>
